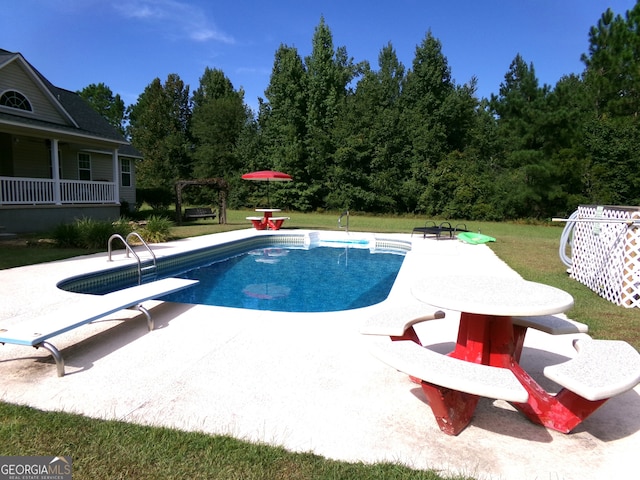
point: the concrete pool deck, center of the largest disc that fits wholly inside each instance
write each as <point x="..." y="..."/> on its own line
<point x="302" y="381"/>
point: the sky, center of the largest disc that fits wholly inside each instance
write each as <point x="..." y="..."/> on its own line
<point x="126" y="44"/>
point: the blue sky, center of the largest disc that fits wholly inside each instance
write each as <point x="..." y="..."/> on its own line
<point x="127" y="43"/>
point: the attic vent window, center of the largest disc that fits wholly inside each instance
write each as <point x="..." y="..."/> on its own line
<point x="15" y="99"/>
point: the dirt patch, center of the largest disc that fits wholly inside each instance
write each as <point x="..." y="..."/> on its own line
<point x="27" y="242"/>
<point x="14" y="242"/>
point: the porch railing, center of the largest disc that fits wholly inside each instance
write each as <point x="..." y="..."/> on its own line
<point x="41" y="191"/>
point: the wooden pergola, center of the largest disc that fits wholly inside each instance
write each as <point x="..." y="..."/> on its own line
<point x="218" y="183"/>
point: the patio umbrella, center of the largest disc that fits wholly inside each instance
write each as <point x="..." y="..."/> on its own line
<point x="267" y="176"/>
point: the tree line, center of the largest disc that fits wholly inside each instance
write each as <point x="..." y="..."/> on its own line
<point x="392" y="139"/>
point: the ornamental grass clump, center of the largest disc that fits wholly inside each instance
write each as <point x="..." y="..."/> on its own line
<point x="157" y="229"/>
<point x="89" y="233"/>
<point x="65" y="235"/>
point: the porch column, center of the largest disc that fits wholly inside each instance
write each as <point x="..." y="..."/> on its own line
<point x="55" y="167"/>
<point x="116" y="176"/>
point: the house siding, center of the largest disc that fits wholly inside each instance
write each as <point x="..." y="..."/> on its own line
<point x="31" y="158"/>
<point x="128" y="194"/>
<point x="23" y="219"/>
<point x="15" y="78"/>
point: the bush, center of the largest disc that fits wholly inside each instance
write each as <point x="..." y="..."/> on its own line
<point x="66" y="235"/>
<point x="93" y="234"/>
<point x="122" y="226"/>
<point x="89" y="233"/>
<point x="158" y="229"/>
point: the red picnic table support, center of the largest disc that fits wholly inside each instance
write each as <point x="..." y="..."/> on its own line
<point x="267" y="221"/>
<point x="493" y="340"/>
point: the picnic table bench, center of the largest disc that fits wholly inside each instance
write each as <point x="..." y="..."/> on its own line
<point x="399" y="322"/>
<point x="36" y="331"/>
<point x="585" y="376"/>
<point x="473" y="378"/>
<point x="199" y="212"/>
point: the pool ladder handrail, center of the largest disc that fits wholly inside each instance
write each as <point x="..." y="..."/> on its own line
<point x="345" y="213"/>
<point x="129" y="248"/>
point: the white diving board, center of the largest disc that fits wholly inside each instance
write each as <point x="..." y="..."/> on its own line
<point x="36" y="331"/>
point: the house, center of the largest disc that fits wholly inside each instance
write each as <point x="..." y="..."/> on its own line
<point x="59" y="159"/>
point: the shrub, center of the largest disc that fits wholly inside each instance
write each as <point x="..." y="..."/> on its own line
<point x="122" y="226"/>
<point x="66" y="235"/>
<point x="89" y="233"/>
<point x="158" y="229"/>
<point x="94" y="234"/>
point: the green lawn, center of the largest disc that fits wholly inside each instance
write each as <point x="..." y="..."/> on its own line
<point x="109" y="449"/>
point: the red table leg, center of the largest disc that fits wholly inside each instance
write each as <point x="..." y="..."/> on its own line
<point x="496" y="341"/>
<point x="453" y="410"/>
<point x="473" y="334"/>
<point x="409" y="334"/>
<point x="259" y="224"/>
<point x="275" y="224"/>
<point x="518" y="339"/>
<point x="561" y="412"/>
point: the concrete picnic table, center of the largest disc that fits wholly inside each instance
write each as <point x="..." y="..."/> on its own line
<point x="495" y="314"/>
<point x="487" y="336"/>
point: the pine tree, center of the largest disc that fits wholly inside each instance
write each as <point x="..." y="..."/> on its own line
<point x="159" y="126"/>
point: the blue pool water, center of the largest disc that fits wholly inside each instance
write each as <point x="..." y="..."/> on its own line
<point x="319" y="279"/>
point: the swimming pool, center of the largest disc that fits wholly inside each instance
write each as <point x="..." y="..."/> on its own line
<point x="296" y="272"/>
<point x="320" y="279"/>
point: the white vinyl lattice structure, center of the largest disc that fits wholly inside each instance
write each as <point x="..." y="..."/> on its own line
<point x="606" y="255"/>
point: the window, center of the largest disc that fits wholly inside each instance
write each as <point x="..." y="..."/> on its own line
<point x="84" y="166"/>
<point x="13" y="99"/>
<point x="125" y="172"/>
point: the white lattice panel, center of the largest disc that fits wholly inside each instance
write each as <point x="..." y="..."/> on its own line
<point x="606" y="255"/>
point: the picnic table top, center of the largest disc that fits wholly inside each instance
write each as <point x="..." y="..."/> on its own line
<point x="500" y="296"/>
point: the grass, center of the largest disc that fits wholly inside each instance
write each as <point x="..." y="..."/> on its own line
<point x="118" y="450"/>
<point x="110" y="449"/>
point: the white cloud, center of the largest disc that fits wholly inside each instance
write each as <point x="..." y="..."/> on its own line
<point x="175" y="17"/>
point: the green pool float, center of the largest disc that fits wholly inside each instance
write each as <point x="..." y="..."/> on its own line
<point x="475" y="238"/>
